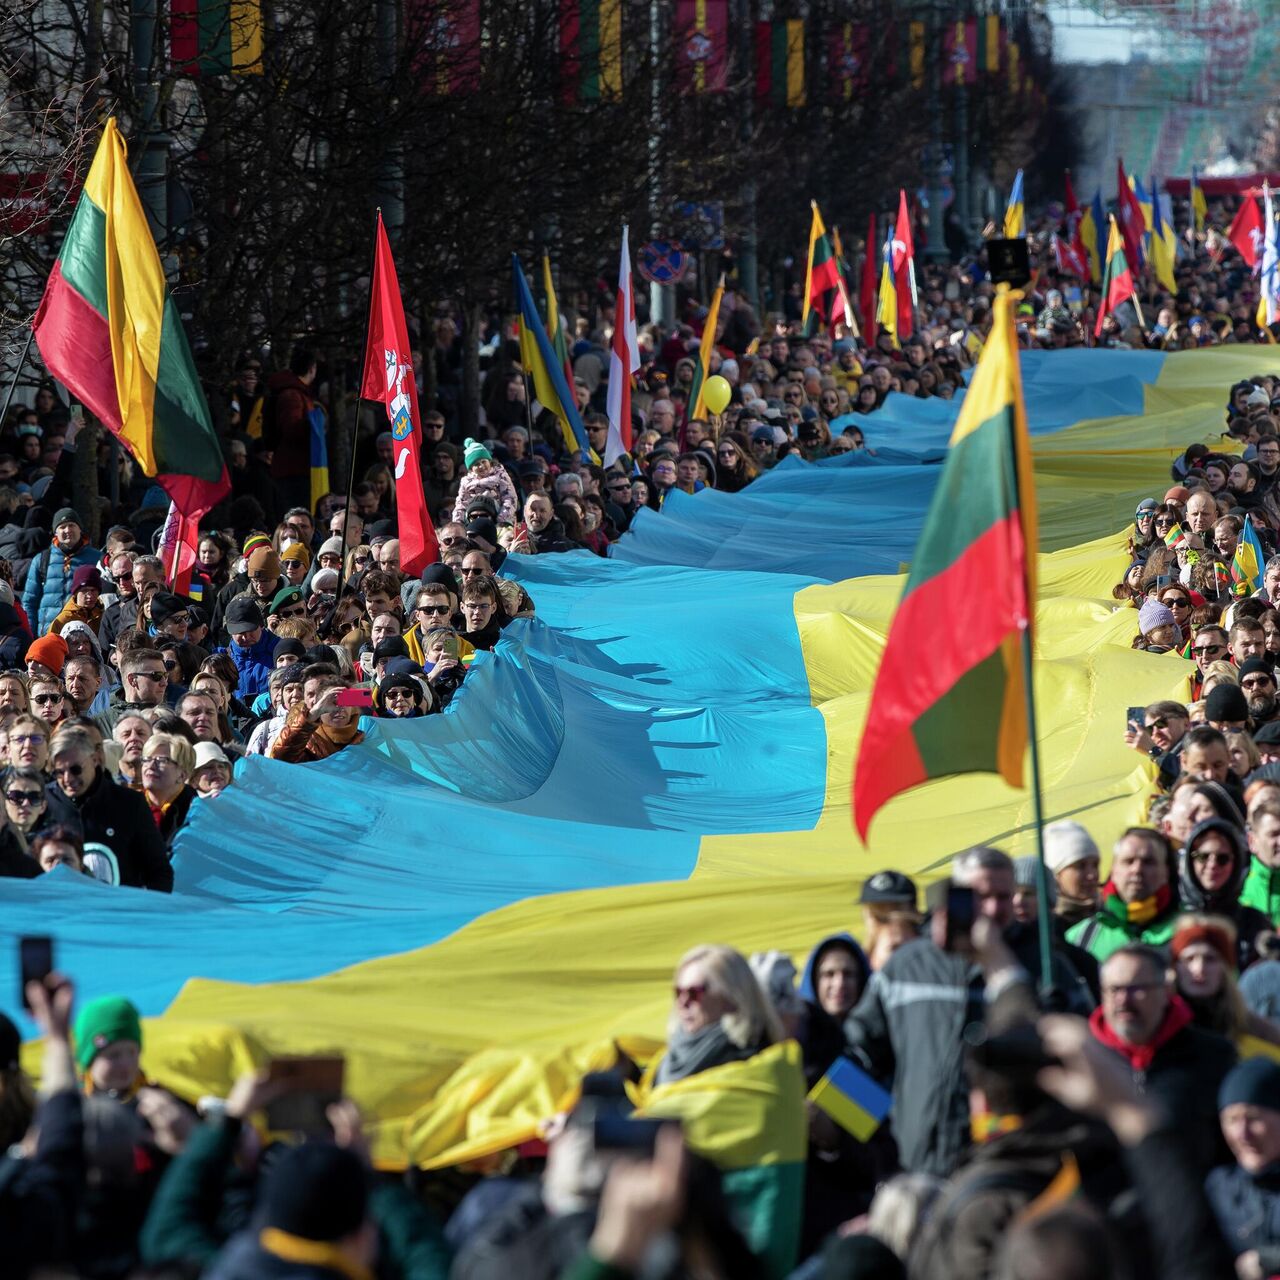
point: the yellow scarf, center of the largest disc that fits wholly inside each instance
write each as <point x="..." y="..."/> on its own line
<point x="315" y="1253"/>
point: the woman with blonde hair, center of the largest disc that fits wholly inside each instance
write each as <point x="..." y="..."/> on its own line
<point x="721" y="1014"/>
<point x="168" y="761"/>
<point x="1203" y="949"/>
<point x="14" y="694"/>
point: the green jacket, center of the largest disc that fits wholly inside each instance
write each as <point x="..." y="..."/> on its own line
<point x="202" y="1200"/>
<point x="1262" y="890"/>
<point x="1102" y="935"/>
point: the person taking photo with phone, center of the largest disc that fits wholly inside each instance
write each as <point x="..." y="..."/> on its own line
<point x="319" y="726"/>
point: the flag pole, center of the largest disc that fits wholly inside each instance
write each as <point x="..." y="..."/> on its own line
<point x="1033" y="736"/>
<point x="355" y="426"/>
<point x="17" y="373"/>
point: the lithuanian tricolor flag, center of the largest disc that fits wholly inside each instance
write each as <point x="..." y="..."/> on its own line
<point x="108" y="329"/>
<point x="959" y="706"/>
<point x="821" y="277"/>
<point x="1117" y="279"/>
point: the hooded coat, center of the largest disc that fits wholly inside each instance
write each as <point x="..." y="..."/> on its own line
<point x="1249" y="921"/>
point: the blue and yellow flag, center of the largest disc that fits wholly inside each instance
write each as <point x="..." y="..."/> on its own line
<point x="540" y="363"/>
<point x="319" y="456"/>
<point x="1199" y="207"/>
<point x="1164" y="247"/>
<point x="887" y="306"/>
<point x="1015" y="214"/>
<point x="1144" y="199"/>
<point x="1093" y="224"/>
<point x="1246" y="564"/>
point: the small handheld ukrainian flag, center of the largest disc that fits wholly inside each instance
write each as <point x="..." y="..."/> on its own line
<point x="1246" y="564"/>
<point x="852" y="1099"/>
<point x="1015" y="218"/>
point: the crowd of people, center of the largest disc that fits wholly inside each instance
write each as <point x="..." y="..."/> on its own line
<point x="1115" y="1116"/>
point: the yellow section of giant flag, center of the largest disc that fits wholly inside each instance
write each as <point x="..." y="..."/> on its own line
<point x="135" y="292"/>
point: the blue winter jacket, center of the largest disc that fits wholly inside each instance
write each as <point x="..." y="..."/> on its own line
<point x="48" y="585"/>
<point x="254" y="664"/>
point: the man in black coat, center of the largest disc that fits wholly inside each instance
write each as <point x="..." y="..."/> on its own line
<point x="122" y="844"/>
<point x="1178" y="1065"/>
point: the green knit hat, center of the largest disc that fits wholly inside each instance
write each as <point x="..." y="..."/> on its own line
<point x="474" y="451"/>
<point x="103" y="1022"/>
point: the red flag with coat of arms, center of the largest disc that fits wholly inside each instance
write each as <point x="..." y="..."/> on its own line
<point x="388" y="378"/>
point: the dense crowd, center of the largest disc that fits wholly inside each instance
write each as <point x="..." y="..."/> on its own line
<point x="1117" y="1116"/>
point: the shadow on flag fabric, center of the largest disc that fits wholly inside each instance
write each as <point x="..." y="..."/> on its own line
<point x="179" y="542"/>
<point x="821" y="277"/>
<point x="962" y="708"/>
<point x="389" y="378"/>
<point x="109" y="331"/>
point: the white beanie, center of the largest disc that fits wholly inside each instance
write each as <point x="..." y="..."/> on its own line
<point x="1065" y="844"/>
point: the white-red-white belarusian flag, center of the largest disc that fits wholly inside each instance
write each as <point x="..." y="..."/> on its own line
<point x="624" y="361"/>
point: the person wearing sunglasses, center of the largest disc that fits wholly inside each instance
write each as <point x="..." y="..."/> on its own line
<point x="1208" y="645"/>
<point x="49" y="701"/>
<point x="719" y="1014"/>
<point x="25" y="802"/>
<point x="1212" y="866"/>
<point x="122" y="842"/>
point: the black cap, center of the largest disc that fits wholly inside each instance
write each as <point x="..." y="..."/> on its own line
<point x="165" y="606"/>
<point x="485" y="506"/>
<point x="1226" y="702"/>
<point x="484" y="528"/>
<point x="1257" y="666"/>
<point x="888" y="886"/>
<point x="290" y="648"/>
<point x="242" y="615"/>
<point x="10" y="1044"/>
<point x="316" y="1191"/>
<point x="391" y="647"/>
<point x="1268" y="735"/>
<point x="380" y="529"/>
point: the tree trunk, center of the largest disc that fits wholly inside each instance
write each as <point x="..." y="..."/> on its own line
<point x="84" y="479"/>
<point x="471" y="370"/>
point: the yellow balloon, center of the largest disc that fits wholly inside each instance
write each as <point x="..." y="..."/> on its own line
<point x="715" y="395"/>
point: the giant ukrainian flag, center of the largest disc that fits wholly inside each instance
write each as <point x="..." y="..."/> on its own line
<point x="474" y="908"/>
<point x="108" y="329"/>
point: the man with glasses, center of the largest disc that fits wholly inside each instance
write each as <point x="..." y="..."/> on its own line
<point x="1258" y="682"/>
<point x="434" y="607"/>
<point x="1207" y="646"/>
<point x="144" y="682"/>
<point x="1160" y="737"/>
<point x="49" y="700"/>
<point x="1177" y="1065"/>
<point x="116" y="822"/>
<point x="286" y="604"/>
<point x="1268" y="462"/>
<point x="1138" y="901"/>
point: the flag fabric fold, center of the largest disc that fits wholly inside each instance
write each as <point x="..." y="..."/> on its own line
<point x="1093" y="233"/>
<point x="1117" y="279"/>
<point x="389" y="378"/>
<point x="1248" y="561"/>
<point x="624" y="360"/>
<point x="904" y="271"/>
<point x="1269" y="276"/>
<point x="933" y="713"/>
<point x="1199" y="207"/>
<point x="1247" y="232"/>
<point x="1164" y="247"/>
<point x="887" y="307"/>
<point x="1015" y="214"/>
<point x="821" y="277"/>
<point x="550" y="386"/>
<point x="702" y="370"/>
<point x="108" y="329"/>
<point x="177" y="549"/>
<point x="1133" y="223"/>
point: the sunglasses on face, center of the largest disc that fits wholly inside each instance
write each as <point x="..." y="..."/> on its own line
<point x="433" y="608"/>
<point x="1218" y="859"/>
<point x="692" y="994"/>
<point x="43" y="698"/>
<point x="24" y="797"/>
<point x="1208" y="649"/>
<point x="68" y="770"/>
